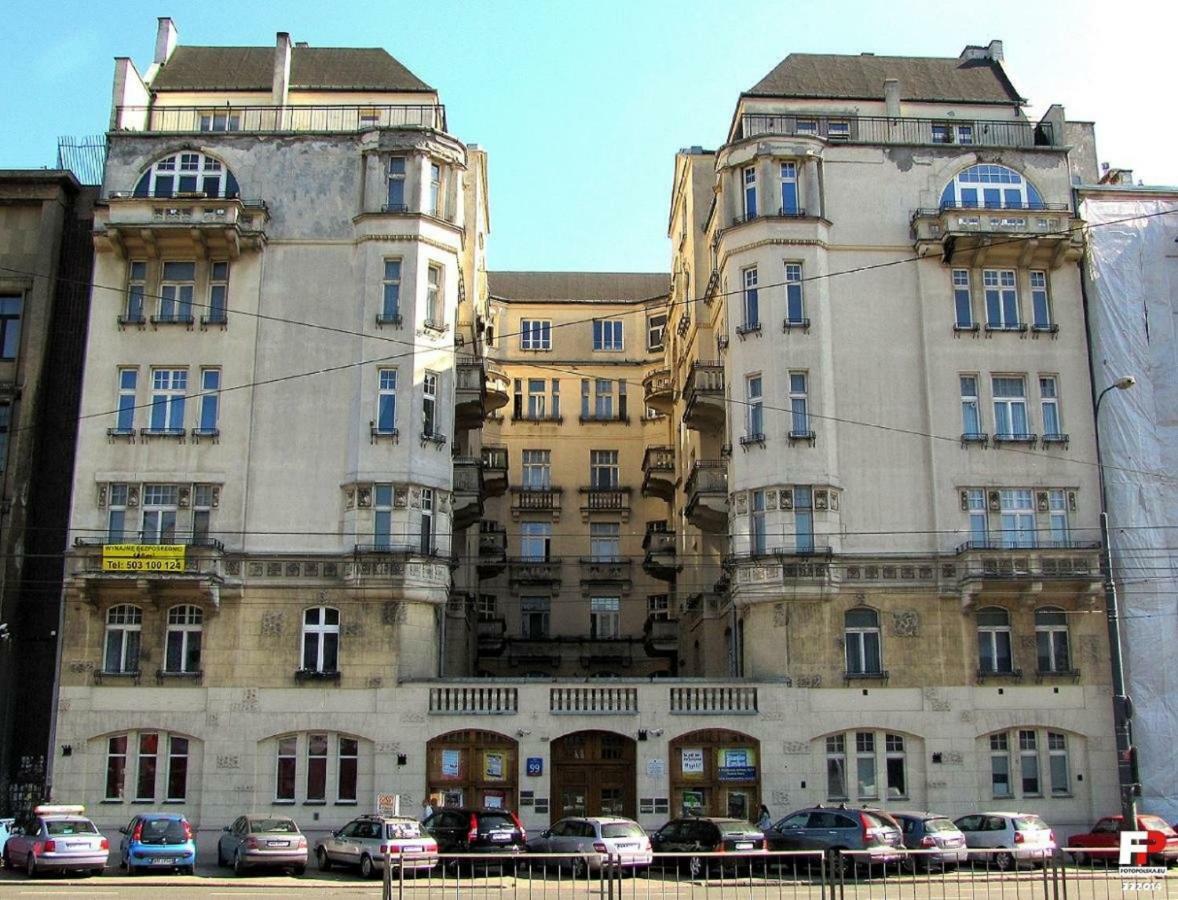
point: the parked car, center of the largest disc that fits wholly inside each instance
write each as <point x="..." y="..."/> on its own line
<point x="592" y="840"/>
<point x="1023" y="837"/>
<point x="1104" y="840"/>
<point x="942" y="841"/>
<point x="5" y="831"/>
<point x="56" y="839"/>
<point x="366" y="840"/>
<point x="157" y="841"/>
<point x="474" y="830"/>
<point x="262" y="842"/>
<point x="741" y="843"/>
<point x="835" y="829"/>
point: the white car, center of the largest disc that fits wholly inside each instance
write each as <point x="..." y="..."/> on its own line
<point x="56" y="839"/>
<point x="1008" y="838"/>
<point x="590" y="841"/>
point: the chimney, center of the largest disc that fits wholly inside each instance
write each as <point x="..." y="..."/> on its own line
<point x="166" y="38"/>
<point x="281" y="69"/>
<point x="994" y="51"/>
<point x="892" y="97"/>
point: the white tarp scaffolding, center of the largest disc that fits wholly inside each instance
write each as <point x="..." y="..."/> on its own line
<point x="1131" y="286"/>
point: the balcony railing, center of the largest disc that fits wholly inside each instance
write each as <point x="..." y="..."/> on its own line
<point x="534" y="571"/>
<point x="658" y="459"/>
<point x="590" y="701"/>
<point x="253" y="119"/>
<point x="528" y="499"/>
<point x="708" y="476"/>
<point x="598" y="499"/>
<point x="473" y="701"/>
<point x="1027" y="542"/>
<point x="468" y="475"/>
<point x="703" y="394"/>
<point x="899" y="130"/>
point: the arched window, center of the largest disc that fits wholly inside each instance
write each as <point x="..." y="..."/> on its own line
<point x="321" y="639"/>
<point x="186" y="173"/>
<point x="994" y="654"/>
<point x="862" y="642"/>
<point x="1051" y="640"/>
<point x="992" y="187"/>
<point x="123" y="626"/>
<point x="185" y="624"/>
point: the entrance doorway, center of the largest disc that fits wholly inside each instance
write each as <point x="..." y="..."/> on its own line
<point x="472" y="768"/>
<point x="715" y="772"/>
<point x="594" y="773"/>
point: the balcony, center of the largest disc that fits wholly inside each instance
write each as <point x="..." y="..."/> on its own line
<point x="1043" y="235"/>
<point x="576" y="651"/>
<point x="378" y="568"/>
<point x="186" y="226"/>
<point x="524" y="571"/>
<point x="703" y="396"/>
<point x="492" y="637"/>
<point x="660" y="638"/>
<point x="492" y="549"/>
<point x="658" y="390"/>
<point x="253" y="119"/>
<point x="187" y="566"/>
<point x="707" y="495"/>
<point x="1057" y="569"/>
<point x="897" y="130"/>
<point x="610" y="500"/>
<point x="659" y="544"/>
<point x="658" y="473"/>
<point x="535" y="500"/>
<point x="498" y="387"/>
<point x="469" y="395"/>
<point x="468" y="491"/>
<point x="494" y="471"/>
<point x="606" y="573"/>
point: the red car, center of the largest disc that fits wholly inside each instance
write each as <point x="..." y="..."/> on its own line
<point x="1104" y="841"/>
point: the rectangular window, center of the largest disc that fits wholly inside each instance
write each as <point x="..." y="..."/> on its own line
<point x="1028" y="748"/>
<point x="220" y="120"/>
<point x="1049" y="403"/>
<point x="535" y="539"/>
<point x="427" y="522"/>
<point x="603" y="469"/>
<point x="202" y="511"/>
<point x="897" y="766"/>
<point x="435" y="189"/>
<point x="1018" y="519"/>
<point x="146" y="761"/>
<point x="386" y="401"/>
<point x="603" y="404"/>
<point x="169" y="388"/>
<point x="789" y="189"/>
<point x="757" y="538"/>
<point x="965" y="134"/>
<point x="116" y="514"/>
<point x="347" y="770"/>
<point x="836" y="767"/>
<point x="795" y="312"/>
<point x="838" y="131"/>
<point x="979" y="531"/>
<point x="125" y="418"/>
<point x="750" y="192"/>
<point x="284" y="789"/>
<point x="537" y="470"/>
<point x="316" y="767"/>
<point x="752" y="315"/>
<point x="177" y="768"/>
<point x="607" y="334"/>
<point x="210" y="400"/>
<point x="429" y="404"/>
<point x="865" y="765"/>
<point x="116" y="766"/>
<point x="605" y="617"/>
<point x="176" y="290"/>
<point x="804" y="518"/>
<point x="1010" y="407"/>
<point x="218" y="311"/>
<point x="806" y="126"/>
<point x="799" y="405"/>
<point x="10" y="313"/>
<point x="382" y="505"/>
<point x="971" y="417"/>
<point x="655" y="328"/>
<point x="658" y="607"/>
<point x="390" y="305"/>
<point x="962" y="299"/>
<point x="605" y="541"/>
<point x="754" y="410"/>
<point x="1001" y="298"/>
<point x="1000" y="766"/>
<point x="534" y="616"/>
<point x="1040" y="302"/>
<point x="1057" y="511"/>
<point x="136" y="290"/>
<point x="535" y="334"/>
<point x="1057" y="758"/>
<point x="942" y="133"/>
<point x="159" y="513"/>
<point x="396" y="194"/>
<point x="488" y="607"/>
<point x="434" y="316"/>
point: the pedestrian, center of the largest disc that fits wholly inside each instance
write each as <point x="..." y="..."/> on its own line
<point x="765" y="819"/>
<point x="426" y="809"/>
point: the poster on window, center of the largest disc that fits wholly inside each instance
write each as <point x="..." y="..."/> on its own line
<point x="493" y="765"/>
<point x="451" y="763"/>
<point x="691" y="761"/>
<point x="692" y="802"/>
<point x="494" y="799"/>
<point x="736" y="764"/>
<point x="738" y="805"/>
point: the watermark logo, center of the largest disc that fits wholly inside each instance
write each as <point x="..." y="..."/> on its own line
<point x="1136" y="849"/>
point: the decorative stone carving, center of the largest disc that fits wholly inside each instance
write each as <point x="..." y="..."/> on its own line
<point x="311" y="570"/>
<point x="293" y="569"/>
<point x="1072" y="500"/>
<point x="786" y="498"/>
<point x="184" y="496"/>
<point x="795" y="748"/>
<point x="400" y="496"/>
<point x="995" y="501"/>
<point x="781" y="799"/>
<point x="742" y="503"/>
<point x="809" y="681"/>
<point x="935" y="701"/>
<point x="330" y="570"/>
<point x="780" y="615"/>
<point x="393" y="613"/>
<point x="132" y="496"/>
<point x="272" y="623"/>
<point x="1041" y="500"/>
<point x="952" y="758"/>
<point x="965" y="501"/>
<point x="233" y="568"/>
<point x="228" y="761"/>
<point x="216" y="496"/>
<point x="771" y="499"/>
<point x="1026" y="642"/>
<point x="906" y="623"/>
<point x="821" y="499"/>
<point x="256" y="569"/>
<point x="375" y="681"/>
<point x="834" y="500"/>
<point x="273" y="570"/>
<point x="364" y="497"/>
<point x="349" y="498"/>
<point x="415" y="498"/>
<point x="102" y="495"/>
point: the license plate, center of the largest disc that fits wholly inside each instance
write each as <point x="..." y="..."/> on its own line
<point x="159" y="861"/>
<point x="277" y="843"/>
<point x="410" y="849"/>
<point x="501" y="837"/>
<point x="744" y="845"/>
<point x="627" y="846"/>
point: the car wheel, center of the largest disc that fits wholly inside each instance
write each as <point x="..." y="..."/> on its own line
<point x="323" y="859"/>
<point x="838" y="864"/>
<point x="1003" y="862"/>
<point x="238" y="865"/>
<point x="31" y="865"/>
<point x="367" y="869"/>
<point x="580" y="867"/>
<point x="299" y="871"/>
<point x="220" y="857"/>
<point x="188" y="870"/>
<point x="96" y="872"/>
<point x="1079" y="859"/>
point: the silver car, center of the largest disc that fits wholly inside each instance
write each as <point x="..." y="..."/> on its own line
<point x="256" y="842"/>
<point x="365" y="841"/>
<point x="592" y="840"/>
<point x="56" y="839"/>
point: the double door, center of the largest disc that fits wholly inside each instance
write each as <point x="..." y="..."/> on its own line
<point x="594" y="774"/>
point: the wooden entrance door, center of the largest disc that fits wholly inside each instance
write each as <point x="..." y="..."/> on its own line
<point x="594" y="774"/>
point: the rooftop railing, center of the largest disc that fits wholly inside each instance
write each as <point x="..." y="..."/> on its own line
<point x="899" y="130"/>
<point x="227" y="119"/>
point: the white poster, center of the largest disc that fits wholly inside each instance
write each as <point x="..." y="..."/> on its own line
<point x="655" y="768"/>
<point x="692" y="761"/>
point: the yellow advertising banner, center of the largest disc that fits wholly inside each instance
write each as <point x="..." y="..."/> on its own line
<point x="143" y="558"/>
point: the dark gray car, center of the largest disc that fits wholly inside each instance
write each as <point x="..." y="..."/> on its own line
<point x="257" y="842"/>
<point x="940" y="842"/>
<point x="872" y="834"/>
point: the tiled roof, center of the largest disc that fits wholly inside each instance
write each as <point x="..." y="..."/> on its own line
<point x="311" y="68"/>
<point x="823" y="75"/>
<point x="579" y="287"/>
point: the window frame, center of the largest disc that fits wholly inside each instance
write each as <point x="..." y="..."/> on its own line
<point x="1010" y="409"/>
<point x="320" y="632"/>
<point x="1039" y="285"/>
<point x="858" y="641"/>
<point x="124" y="624"/>
<point x="795" y="300"/>
<point x="750" y="300"/>
<point x="991" y="637"/>
<point x="1052" y="641"/>
<point x="435" y="313"/>
<point x="386" y="401"/>
<point x="396" y="175"/>
<point x="1000" y="289"/>
<point x="176" y="293"/>
<point x="605" y="618"/>
<point x="535" y="334"/>
<point x="749" y="191"/>
<point x="790" y="189"/>
<point x="608" y="336"/>
<point x="1049" y="408"/>
<point x="392" y="277"/>
<point x="217" y="311"/>
<point x="134" y="310"/>
<point x="186" y="620"/>
<point x="210" y="402"/>
<point x="799" y="405"/>
<point x="169" y="393"/>
<point x="604" y="470"/>
<point x="971" y="405"/>
<point x="963" y="312"/>
<point x="754" y="408"/>
<point x="535" y="616"/>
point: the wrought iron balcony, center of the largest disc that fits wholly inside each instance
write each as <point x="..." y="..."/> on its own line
<point x="896" y="130"/>
<point x="253" y="119"/>
<point x="660" y="637"/>
<point x="703" y="395"/>
<point x="707" y="495"/>
<point x="469" y="404"/>
<point x="658" y="390"/>
<point x="492" y="637"/>
<point x="498" y="387"/>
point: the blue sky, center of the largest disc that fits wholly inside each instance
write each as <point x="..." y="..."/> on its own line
<point x="582" y="106"/>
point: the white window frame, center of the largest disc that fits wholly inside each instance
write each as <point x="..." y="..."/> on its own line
<point x="136" y="292"/>
<point x="160" y="513"/>
<point x="608" y="336"/>
<point x="895" y="750"/>
<point x="795" y="301"/>
<point x="128" y="380"/>
<point x="836" y="765"/>
<point x="804" y="518"/>
<point x="535" y="541"/>
<point x="320" y="631"/>
<point x="963" y="312"/>
<point x="1049" y="407"/>
<point x="865" y="765"/>
<point x="202" y="512"/>
<point x="758" y="536"/>
<point x="436" y="196"/>
<point x="210" y="402"/>
<point x="1057" y="749"/>
<point x="755" y="409"/>
<point x="169" y="390"/>
<point x="1011" y="421"/>
<point x="177" y="292"/>
<point x="395" y="173"/>
<point x="435" y="315"/>
<point x="390" y="296"/>
<point x="1000" y="751"/>
<point x="191" y="172"/>
<point x="1041" y="318"/>
<point x="789" y="182"/>
<point x="386" y="401"/>
<point x="116" y="512"/>
<point x="382" y="516"/>
<point x="990" y="637"/>
<point x="1059" y="528"/>
<point x="658" y="607"/>
<point x="1000" y="287"/>
<point x="1029" y="767"/>
<point x="427" y="535"/>
<point x="749" y="192"/>
<point x="124" y="624"/>
<point x="430" y="410"/>
<point x="859" y="638"/>
<point x="218" y="305"/>
<point x="605" y="541"/>
<point x="979" y="518"/>
<point x="605" y="618"/>
<point x="532" y="606"/>
<point x="799" y="405"/>
<point x="1017" y="518"/>
<point x="971" y="407"/>
<point x="535" y="334"/>
<point x="604" y="470"/>
<point x="750" y="296"/>
<point x="537" y="470"/>
<point x="1052" y="640"/>
<point x="186" y="621"/>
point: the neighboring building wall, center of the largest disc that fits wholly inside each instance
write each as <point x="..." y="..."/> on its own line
<point x="1131" y="282"/>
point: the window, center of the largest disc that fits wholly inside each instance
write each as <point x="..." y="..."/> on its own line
<point x="177" y="768"/>
<point x="838" y="131"/>
<point x="146" y="760"/>
<point x="658" y="607"/>
<point x="605" y="541"/>
<point x="435" y="189"/>
<point x="1018" y="518"/>
<point x="979" y="532"/>
<point x="427" y="545"/>
<point x="187" y="173"/>
<point x="537" y="470"/>
<point x="159" y="513"/>
<point x="896" y="764"/>
<point x="535" y="540"/>
<point x="5" y="424"/>
<point x="757" y="538"/>
<point x="806" y="126"/>
<point x="1057" y="510"/>
<point x="655" y="327"/>
<point x="488" y="607"/>
<point x="836" y="767"/>
<point x="347" y="770"/>
<point x="804" y="518"/>
<point x="754" y="410"/>
<point x="1028" y="751"/>
<point x="1000" y="766"/>
<point x="604" y="617"/>
<point x="1001" y="292"/>
<point x="603" y="469"/>
<point x="136" y="290"/>
<point x="994" y="653"/>
<point x="434" y="315"/>
<point x="971" y="417"/>
<point x="116" y="516"/>
<point x="202" y="512"/>
<point x="287" y="761"/>
<point x="865" y="765"/>
<point x="390" y="304"/>
<point x="535" y="334"/>
<point x="182" y="650"/>
<point x="1010" y="407"/>
<point x="1049" y="404"/>
<point x="382" y="519"/>
<point x="799" y="406"/>
<point x="750" y="192"/>
<point x="534" y="616"/>
<point x="429" y="405"/>
<point x="789" y="189"/>
<point x="123" y="626"/>
<point x="386" y="401"/>
<point x="603" y="406"/>
<point x="607" y="334"/>
<point x="321" y="640"/>
<point x="752" y="316"/>
<point x="1040" y="302"/>
<point x="991" y="186"/>
<point x="125" y="417"/>
<point x="210" y="399"/>
<point x="795" y="313"/>
<point x="176" y="290"/>
<point x="218" y="293"/>
<point x="962" y="300"/>
<point x="316" y="768"/>
<point x="396" y="193"/>
<point x="1051" y="640"/>
<point x="1057" y="762"/>
<point x="861" y="635"/>
<point x="220" y="120"/>
<point x="116" y="766"/>
<point x="168" y="392"/>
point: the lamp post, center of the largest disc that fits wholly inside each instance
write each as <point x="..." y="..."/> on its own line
<point x="1122" y="709"/>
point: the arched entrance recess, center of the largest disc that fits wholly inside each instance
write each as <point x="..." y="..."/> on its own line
<point x="594" y="773"/>
<point x="715" y="772"/>
<point x="473" y="768"/>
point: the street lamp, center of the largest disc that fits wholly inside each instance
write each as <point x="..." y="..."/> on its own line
<point x="1122" y="708"/>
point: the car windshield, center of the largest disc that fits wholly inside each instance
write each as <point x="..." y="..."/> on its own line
<point x="1156" y="824"/>
<point x="70" y="826"/>
<point x="1029" y="823"/>
<point x="274" y="826"/>
<point x="935" y="825"/>
<point x="732" y="827"/>
<point x="495" y="821"/>
<point x="402" y="829"/>
<point x="621" y="830"/>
